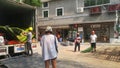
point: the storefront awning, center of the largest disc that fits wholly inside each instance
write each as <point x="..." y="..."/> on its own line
<point x="60" y="26"/>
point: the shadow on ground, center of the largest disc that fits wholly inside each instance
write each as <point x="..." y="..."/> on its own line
<point x="36" y="61"/>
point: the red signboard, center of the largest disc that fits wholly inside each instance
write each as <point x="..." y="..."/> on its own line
<point x="75" y="25"/>
<point x="118" y="7"/>
<point x="95" y="10"/>
<point x="112" y="8"/>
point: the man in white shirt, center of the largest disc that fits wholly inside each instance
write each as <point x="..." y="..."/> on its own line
<point x="93" y="39"/>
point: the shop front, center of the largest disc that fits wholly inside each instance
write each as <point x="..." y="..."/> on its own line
<point x="72" y="32"/>
<point x="74" y="29"/>
<point x="102" y="30"/>
<point x="60" y="31"/>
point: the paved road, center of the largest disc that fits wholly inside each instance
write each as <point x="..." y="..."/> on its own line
<point x="66" y="59"/>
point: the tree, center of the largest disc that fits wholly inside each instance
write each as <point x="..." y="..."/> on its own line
<point x="33" y="2"/>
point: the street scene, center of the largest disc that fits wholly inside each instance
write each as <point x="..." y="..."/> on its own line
<point x="59" y="33"/>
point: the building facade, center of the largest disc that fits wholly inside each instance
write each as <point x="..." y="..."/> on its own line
<point x="67" y="17"/>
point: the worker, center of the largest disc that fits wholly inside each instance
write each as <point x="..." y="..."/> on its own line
<point x="29" y="50"/>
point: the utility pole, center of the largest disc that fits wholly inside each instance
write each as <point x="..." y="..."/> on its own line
<point x="115" y="27"/>
<point x="117" y="24"/>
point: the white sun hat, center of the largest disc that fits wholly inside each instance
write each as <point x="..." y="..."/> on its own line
<point x="49" y="28"/>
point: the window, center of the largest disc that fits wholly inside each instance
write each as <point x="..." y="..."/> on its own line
<point x="99" y="2"/>
<point x="92" y="2"/>
<point x="45" y="13"/>
<point x="45" y="5"/>
<point x="59" y="11"/>
<point x="106" y="1"/>
<point x="87" y="3"/>
<point x="95" y="2"/>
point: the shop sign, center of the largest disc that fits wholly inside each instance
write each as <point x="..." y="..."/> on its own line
<point x="75" y="25"/>
<point x="3" y="51"/>
<point x="80" y="28"/>
<point x="19" y="48"/>
<point x="95" y="10"/>
<point x="95" y="26"/>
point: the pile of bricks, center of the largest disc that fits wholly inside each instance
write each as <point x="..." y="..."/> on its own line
<point x="108" y="52"/>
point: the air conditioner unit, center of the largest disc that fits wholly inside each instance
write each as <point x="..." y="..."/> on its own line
<point x="80" y="9"/>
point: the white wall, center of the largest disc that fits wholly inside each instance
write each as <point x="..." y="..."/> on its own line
<point x="114" y="1"/>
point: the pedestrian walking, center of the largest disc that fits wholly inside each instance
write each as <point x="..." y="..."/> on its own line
<point x="49" y="47"/>
<point x="77" y="42"/>
<point x="29" y="50"/>
<point x="93" y="39"/>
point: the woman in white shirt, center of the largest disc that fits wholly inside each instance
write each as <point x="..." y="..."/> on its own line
<point x="49" y="47"/>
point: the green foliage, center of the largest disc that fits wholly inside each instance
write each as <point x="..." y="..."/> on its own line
<point x="87" y="50"/>
<point x="18" y="0"/>
<point x="17" y="30"/>
<point x="15" y="33"/>
<point x="22" y="36"/>
<point x="33" y="2"/>
<point x="9" y="32"/>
